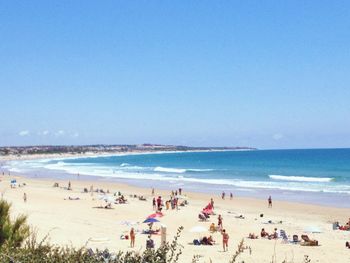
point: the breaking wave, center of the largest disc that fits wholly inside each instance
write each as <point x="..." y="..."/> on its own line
<point x="301" y="178"/>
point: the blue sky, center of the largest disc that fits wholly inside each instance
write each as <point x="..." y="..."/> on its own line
<point x="267" y="74"/>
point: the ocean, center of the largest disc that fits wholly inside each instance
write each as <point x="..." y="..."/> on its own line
<point x="317" y="176"/>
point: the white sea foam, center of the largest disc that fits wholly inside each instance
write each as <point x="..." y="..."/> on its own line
<point x="199" y="170"/>
<point x="301" y="178"/>
<point x="169" y="170"/>
<point x="124" y="164"/>
<point x="285" y="183"/>
<point x="179" y="170"/>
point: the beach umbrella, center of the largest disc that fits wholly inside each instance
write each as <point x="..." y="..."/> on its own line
<point x="198" y="229"/>
<point x="151" y="220"/>
<point x="106" y="198"/>
<point x="155" y="215"/>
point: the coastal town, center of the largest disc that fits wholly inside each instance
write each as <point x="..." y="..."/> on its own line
<point x="105" y="148"/>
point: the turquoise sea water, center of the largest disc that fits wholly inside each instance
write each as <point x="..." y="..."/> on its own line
<point x="315" y="176"/>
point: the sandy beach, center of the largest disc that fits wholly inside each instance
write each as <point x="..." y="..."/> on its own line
<point x="79" y="222"/>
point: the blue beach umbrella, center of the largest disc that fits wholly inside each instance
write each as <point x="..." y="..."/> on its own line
<point x="151" y="220"/>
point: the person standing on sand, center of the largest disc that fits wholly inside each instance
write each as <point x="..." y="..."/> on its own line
<point x="223" y="195"/>
<point x="154" y="203"/>
<point x="25" y="197"/>
<point x="132" y="237"/>
<point x="159" y="203"/>
<point x="225" y="238"/>
<point x="220" y="222"/>
<point x="231" y="196"/>
<point x="69" y="186"/>
<point x="212" y="203"/>
<point x="152" y="191"/>
<point x="270" y="201"/>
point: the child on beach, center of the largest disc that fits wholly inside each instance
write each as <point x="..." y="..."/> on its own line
<point x="225" y="238"/>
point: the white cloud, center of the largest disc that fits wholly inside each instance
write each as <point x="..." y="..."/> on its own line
<point x="277" y="136"/>
<point x="24" y="133"/>
<point x="60" y="133"/>
<point x="75" y="134"/>
<point x="43" y="133"/>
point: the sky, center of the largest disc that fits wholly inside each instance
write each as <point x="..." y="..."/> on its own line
<point x="265" y="74"/>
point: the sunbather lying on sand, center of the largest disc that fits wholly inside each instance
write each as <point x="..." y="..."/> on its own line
<point x="209" y="241"/>
<point x="72" y="198"/>
<point x="308" y="241"/>
<point x="253" y="236"/>
<point x="274" y="235"/>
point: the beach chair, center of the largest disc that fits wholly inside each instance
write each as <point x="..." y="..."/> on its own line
<point x="284" y="236"/>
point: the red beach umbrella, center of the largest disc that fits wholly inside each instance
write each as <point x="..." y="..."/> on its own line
<point x="159" y="214"/>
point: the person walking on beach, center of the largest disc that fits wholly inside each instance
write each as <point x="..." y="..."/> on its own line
<point x="25" y="197"/>
<point x="223" y="195"/>
<point x="225" y="238"/>
<point x="220" y="222"/>
<point x="132" y="237"/>
<point x="69" y="186"/>
<point x="231" y="196"/>
<point x="270" y="201"/>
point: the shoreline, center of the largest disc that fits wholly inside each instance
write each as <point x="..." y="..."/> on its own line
<point x="319" y="198"/>
<point x="57" y="156"/>
<point x="89" y="180"/>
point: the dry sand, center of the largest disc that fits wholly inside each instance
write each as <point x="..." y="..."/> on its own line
<point x="76" y="222"/>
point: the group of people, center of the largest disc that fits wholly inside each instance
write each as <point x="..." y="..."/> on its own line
<point x="345" y="227"/>
<point x="265" y="234"/>
<point x="173" y="193"/>
<point x="206" y="241"/>
<point x="157" y="204"/>
<point x="172" y="202"/>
